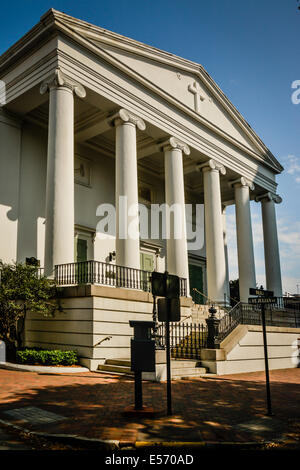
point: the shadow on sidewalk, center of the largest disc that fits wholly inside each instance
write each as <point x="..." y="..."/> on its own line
<point x="204" y="410"/>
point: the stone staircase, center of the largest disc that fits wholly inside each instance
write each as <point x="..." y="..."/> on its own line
<point x="199" y="313"/>
<point x="180" y="368"/>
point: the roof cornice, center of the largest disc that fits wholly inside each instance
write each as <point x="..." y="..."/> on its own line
<point x="53" y="22"/>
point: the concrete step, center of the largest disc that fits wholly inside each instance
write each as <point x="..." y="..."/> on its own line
<point x="189" y="371"/>
<point x="184" y="363"/>
<point x="179" y="368"/>
<point x="119" y="362"/>
<point x="115" y="369"/>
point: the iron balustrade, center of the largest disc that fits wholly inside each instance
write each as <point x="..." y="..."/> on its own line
<point x="186" y="339"/>
<point x="282" y="314"/>
<point x="97" y="272"/>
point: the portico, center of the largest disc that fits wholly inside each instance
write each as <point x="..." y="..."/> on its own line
<point x="140" y="123"/>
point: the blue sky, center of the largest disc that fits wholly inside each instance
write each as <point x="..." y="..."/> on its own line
<point x="248" y="47"/>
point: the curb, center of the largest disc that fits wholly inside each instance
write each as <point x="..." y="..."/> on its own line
<point x="114" y="445"/>
<point x="43" y="369"/>
<point x="71" y="438"/>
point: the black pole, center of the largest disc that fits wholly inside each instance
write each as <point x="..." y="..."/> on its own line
<point x="263" y="320"/>
<point x="138" y="392"/>
<point x="169" y="394"/>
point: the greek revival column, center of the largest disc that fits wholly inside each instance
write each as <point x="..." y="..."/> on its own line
<point x="272" y="259"/>
<point x="215" y="254"/>
<point x="127" y="221"/>
<point x="59" y="237"/>
<point x="227" y="289"/>
<point x="245" y="249"/>
<point x="177" y="254"/>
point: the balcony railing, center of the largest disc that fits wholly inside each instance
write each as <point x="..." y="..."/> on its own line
<point x="96" y="272"/>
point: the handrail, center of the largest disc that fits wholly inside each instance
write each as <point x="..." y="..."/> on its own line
<point x="180" y="321"/>
<point x="202" y="293"/>
<point x="234" y="307"/>
<point x="220" y="307"/>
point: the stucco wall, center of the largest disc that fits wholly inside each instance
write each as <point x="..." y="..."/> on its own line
<point x="89" y="315"/>
<point x="242" y="350"/>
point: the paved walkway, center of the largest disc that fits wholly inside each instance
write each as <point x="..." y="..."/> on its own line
<point x="218" y="409"/>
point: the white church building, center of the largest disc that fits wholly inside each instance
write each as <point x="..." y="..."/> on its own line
<point x="91" y="120"/>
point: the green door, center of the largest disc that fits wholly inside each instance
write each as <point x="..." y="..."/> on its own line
<point x="81" y="256"/>
<point x="196" y="281"/>
<point x="146" y="261"/>
<point x="146" y="264"/>
<point x="81" y="252"/>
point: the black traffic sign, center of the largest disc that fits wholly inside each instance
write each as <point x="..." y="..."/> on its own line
<point x="168" y="310"/>
<point x="165" y="285"/>
<point x="262" y="300"/>
<point x="265" y="293"/>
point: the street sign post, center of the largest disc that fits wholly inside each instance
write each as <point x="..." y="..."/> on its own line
<point x="261" y="292"/>
<point x="262" y="300"/>
<point x="265" y="298"/>
<point x="167" y="286"/>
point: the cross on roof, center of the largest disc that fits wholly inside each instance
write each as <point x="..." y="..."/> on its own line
<point x="196" y="90"/>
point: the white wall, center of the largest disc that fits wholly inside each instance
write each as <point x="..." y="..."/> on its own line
<point x="244" y="351"/>
<point x="10" y="148"/>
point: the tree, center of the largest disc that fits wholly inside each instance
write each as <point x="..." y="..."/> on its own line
<point x="22" y="290"/>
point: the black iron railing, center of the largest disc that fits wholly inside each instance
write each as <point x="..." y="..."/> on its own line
<point x="96" y="272"/>
<point x="281" y="314"/>
<point x="186" y="339"/>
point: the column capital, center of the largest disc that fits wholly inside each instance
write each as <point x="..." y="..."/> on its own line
<point x="175" y="144"/>
<point x="59" y="79"/>
<point x="241" y="182"/>
<point x="269" y="197"/>
<point x="124" y="116"/>
<point x="212" y="165"/>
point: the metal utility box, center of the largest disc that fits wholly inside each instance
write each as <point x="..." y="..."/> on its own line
<point x="142" y="346"/>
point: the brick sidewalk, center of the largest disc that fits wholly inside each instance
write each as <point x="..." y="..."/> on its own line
<point x="219" y="409"/>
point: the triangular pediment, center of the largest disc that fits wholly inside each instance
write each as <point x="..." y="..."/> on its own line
<point x="182" y="82"/>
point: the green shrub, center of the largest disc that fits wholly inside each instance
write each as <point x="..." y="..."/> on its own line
<point x="46" y="357"/>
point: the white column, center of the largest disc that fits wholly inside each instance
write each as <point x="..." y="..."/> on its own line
<point x="177" y="254"/>
<point x="245" y="249"/>
<point x="127" y="228"/>
<point x="272" y="259"/>
<point x="215" y="254"/>
<point x="59" y="237"/>
<point x="227" y="289"/>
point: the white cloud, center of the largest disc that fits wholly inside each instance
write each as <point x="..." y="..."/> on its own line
<point x="292" y="163"/>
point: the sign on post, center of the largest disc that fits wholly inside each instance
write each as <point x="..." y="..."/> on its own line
<point x="168" y="309"/>
<point x="167" y="286"/>
<point x="265" y="298"/>
<point x="263" y="292"/>
<point x="262" y="300"/>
